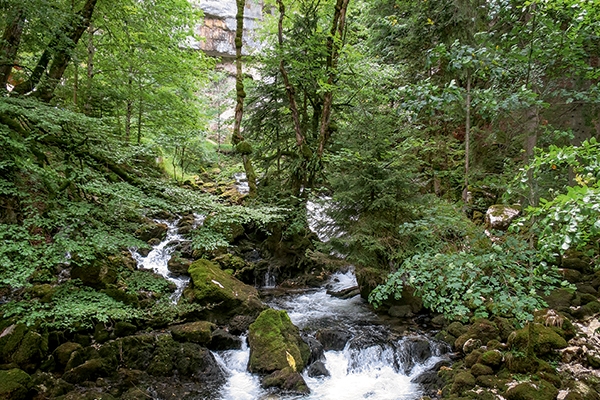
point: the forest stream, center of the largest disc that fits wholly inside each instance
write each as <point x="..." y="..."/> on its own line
<point x="359" y="356"/>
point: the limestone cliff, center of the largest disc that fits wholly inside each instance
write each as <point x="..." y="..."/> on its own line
<point x="218" y="29"/>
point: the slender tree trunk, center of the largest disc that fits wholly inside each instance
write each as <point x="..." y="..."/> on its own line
<point x="140" y="114"/>
<point x="60" y="56"/>
<point x="467" y="138"/>
<point x="333" y="48"/>
<point x="289" y="88"/>
<point x="11" y="39"/>
<point x="75" y="85"/>
<point x="240" y="96"/>
<point x="91" y="51"/>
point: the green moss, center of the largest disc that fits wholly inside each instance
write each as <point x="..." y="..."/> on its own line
<point x="472" y="358"/>
<point x="463" y="381"/>
<point x="213" y="286"/>
<point x="275" y="344"/>
<point x="527" y="391"/>
<point x="545" y="340"/>
<point x="196" y="332"/>
<point x="493" y="358"/>
<point x="244" y="148"/>
<point x="480" y="369"/>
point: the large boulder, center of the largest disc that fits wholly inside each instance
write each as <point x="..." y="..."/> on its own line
<point x="195" y="332"/>
<point x="14" y="384"/>
<point x="499" y="217"/>
<point x="545" y="340"/>
<point x="225" y="295"/>
<point x="152" y="230"/>
<point x="275" y="344"/>
<point x="481" y="330"/>
<point x="97" y="274"/>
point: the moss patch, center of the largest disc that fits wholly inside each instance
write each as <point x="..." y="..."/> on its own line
<point x="213" y="286"/>
<point x="275" y="344"/>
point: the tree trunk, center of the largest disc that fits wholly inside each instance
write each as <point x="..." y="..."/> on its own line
<point x="11" y="39"/>
<point x="289" y="88"/>
<point x="336" y="35"/>
<point x="467" y="138"/>
<point x="60" y="55"/>
<point x="91" y="51"/>
<point x="240" y="96"/>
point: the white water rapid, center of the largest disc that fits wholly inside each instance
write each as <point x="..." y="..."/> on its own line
<point x="375" y="364"/>
<point x="158" y="258"/>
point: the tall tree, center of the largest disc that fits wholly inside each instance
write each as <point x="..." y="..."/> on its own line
<point x="242" y="147"/>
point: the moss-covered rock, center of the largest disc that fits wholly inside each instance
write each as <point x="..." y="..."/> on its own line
<point x="482" y="330"/>
<point x="88" y="371"/>
<point x="244" y="148"/>
<point x="227" y="296"/>
<point x="97" y="274"/>
<point x="62" y="353"/>
<point x="500" y="216"/>
<point x="462" y="381"/>
<point x="587" y="310"/>
<point x="472" y="358"/>
<point x="31" y="351"/>
<point x="195" y="332"/>
<point x="520" y="363"/>
<point x="178" y="265"/>
<point x="493" y="358"/>
<point x="286" y="379"/>
<point x="457" y="329"/>
<point x="10" y="339"/>
<point x="545" y="340"/>
<point x="152" y="230"/>
<point x="275" y="344"/>
<point x="530" y="391"/>
<point x="559" y="300"/>
<point x="14" y="384"/>
<point x="123" y="328"/>
<point x="480" y="369"/>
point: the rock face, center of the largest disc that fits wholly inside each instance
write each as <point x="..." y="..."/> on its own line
<point x="498" y="217"/>
<point x="218" y="29"/>
<point x="226" y="296"/>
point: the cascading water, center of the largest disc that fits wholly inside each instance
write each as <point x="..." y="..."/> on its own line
<point x="376" y="363"/>
<point x="158" y="258"/>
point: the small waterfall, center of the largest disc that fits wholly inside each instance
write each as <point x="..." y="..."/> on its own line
<point x="158" y="258"/>
<point x="241" y="182"/>
<point x="270" y="279"/>
<point x="241" y="385"/>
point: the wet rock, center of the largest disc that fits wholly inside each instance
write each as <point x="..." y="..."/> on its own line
<point x="471" y="344"/>
<point x="499" y="216"/>
<point x="317" y="369"/>
<point x="195" y="332"/>
<point x="287" y="379"/>
<point x="239" y="324"/>
<point x="317" y="352"/>
<point x="429" y="381"/>
<point x="178" y="265"/>
<point x="532" y="391"/>
<point x="420" y="350"/>
<point x="152" y="230"/>
<point x="333" y="339"/>
<point x="347" y="293"/>
<point x="275" y="344"/>
<point x="225" y="294"/>
<point x="223" y="340"/>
